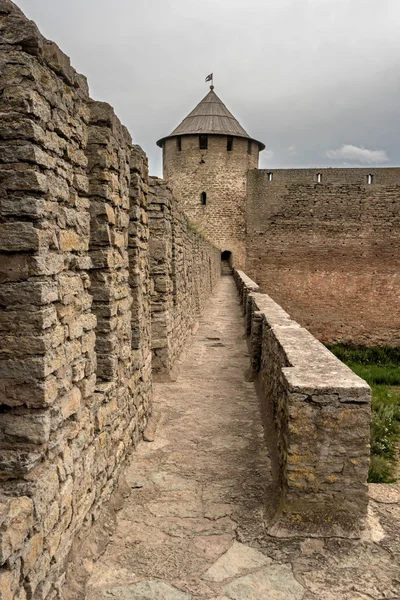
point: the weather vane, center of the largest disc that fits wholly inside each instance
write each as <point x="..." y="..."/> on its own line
<point x="210" y="77"/>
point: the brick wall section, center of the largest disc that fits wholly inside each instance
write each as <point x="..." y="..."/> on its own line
<point x="184" y="269"/>
<point x="329" y="253"/>
<point x="222" y="175"/>
<point x="75" y="381"/>
<point x="316" y="414"/>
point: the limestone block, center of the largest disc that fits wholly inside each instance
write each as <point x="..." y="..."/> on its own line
<point x="17" y="30"/>
<point x="16" y="519"/>
<point x="30" y="428"/>
<point x="8" y="582"/>
<point x="70" y="402"/>
<point x="30" y="181"/>
<point x="35" y="292"/>
<point x="71" y="241"/>
<point x="16" y="463"/>
<point x="32" y="552"/>
<point x="20" y="237"/>
<point x="13" y="267"/>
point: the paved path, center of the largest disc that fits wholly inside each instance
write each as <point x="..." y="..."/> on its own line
<point x="192" y="527"/>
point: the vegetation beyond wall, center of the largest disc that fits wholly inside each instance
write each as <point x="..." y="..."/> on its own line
<point x="329" y="251"/>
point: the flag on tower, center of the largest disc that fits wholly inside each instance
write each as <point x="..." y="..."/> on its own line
<point x="209" y="77"/>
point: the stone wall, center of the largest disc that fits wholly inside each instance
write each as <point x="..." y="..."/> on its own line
<point x="184" y="269"/>
<point x="316" y="414"/>
<point x="329" y="252"/>
<point x="75" y="358"/>
<point x="222" y="175"/>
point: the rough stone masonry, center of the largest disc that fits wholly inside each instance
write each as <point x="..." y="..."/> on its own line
<point x="102" y="278"/>
<point x="316" y="416"/>
<point x="75" y="305"/>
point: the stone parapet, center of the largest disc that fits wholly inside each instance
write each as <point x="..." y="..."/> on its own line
<point x="316" y="414"/>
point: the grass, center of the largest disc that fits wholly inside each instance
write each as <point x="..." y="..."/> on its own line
<point x="380" y="367"/>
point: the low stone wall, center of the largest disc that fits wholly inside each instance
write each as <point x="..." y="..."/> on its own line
<point x="184" y="269"/>
<point x="316" y="414"/>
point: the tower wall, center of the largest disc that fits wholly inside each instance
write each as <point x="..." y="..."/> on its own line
<point x="222" y="175"/>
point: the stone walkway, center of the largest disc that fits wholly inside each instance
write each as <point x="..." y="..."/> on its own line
<point x="192" y="527"/>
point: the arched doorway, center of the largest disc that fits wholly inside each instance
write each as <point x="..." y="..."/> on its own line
<point x="226" y="262"/>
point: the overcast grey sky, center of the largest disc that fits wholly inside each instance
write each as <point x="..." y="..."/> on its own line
<point x="317" y="80"/>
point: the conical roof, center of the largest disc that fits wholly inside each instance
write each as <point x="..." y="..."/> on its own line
<point x="210" y="117"/>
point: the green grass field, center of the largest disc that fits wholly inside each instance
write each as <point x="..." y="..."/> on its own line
<point x="380" y="367"/>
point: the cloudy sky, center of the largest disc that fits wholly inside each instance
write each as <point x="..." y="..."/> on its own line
<point x="317" y="80"/>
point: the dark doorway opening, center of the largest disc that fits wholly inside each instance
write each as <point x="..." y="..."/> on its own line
<point x="226" y="262"/>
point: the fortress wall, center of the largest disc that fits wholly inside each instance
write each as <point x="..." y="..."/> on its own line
<point x="316" y="415"/>
<point x="329" y="252"/>
<point x="184" y="269"/>
<point x="140" y="285"/>
<point x="222" y="175"/>
<point x="75" y="380"/>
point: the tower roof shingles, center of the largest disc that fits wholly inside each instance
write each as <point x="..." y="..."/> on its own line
<point x="210" y="117"/>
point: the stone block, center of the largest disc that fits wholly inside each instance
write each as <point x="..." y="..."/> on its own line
<point x="19" y="237"/>
<point x="37" y="293"/>
<point x="13" y="267"/>
<point x="71" y="241"/>
<point x="16" y="520"/>
<point x="33" y="550"/>
<point x="70" y="403"/>
<point x="17" y="462"/>
<point x="8" y="584"/>
<point x="29" y="428"/>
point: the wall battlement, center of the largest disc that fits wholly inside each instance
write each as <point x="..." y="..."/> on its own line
<point x="331" y="176"/>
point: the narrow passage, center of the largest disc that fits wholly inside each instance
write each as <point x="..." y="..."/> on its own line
<point x="192" y="527"/>
<point x="198" y="489"/>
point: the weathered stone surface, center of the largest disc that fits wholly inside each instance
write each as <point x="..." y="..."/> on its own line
<point x="184" y="269"/>
<point x="328" y="251"/>
<point x="147" y="590"/>
<point x="238" y="559"/>
<point x="222" y="175"/>
<point x="275" y="582"/>
<point x="66" y="316"/>
<point x="16" y="519"/>
<point x="316" y="413"/>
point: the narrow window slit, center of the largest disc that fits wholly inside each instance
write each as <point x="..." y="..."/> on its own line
<point x="203" y="197"/>
<point x="203" y="142"/>
<point x="370" y="179"/>
<point x="229" y="143"/>
<point x="270" y="176"/>
<point x="179" y="143"/>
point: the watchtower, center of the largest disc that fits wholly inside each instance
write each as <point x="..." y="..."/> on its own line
<point x="206" y="160"/>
